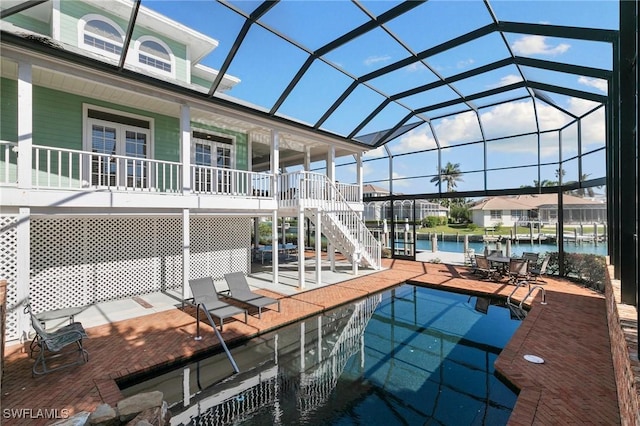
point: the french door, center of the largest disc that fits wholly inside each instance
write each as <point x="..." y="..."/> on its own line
<point x="117" y="141"/>
<point x="215" y="161"/>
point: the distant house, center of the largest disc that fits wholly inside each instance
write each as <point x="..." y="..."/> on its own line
<point x="539" y="208"/>
<point x="379" y="210"/>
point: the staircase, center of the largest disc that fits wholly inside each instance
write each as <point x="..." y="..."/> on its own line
<point x="341" y="225"/>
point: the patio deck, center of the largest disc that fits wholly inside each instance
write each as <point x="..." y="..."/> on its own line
<point x="575" y="384"/>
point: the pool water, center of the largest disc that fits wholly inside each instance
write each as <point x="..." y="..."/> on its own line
<point x="410" y="355"/>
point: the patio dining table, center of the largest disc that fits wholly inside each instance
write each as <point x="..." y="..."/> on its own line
<point x="502" y="262"/>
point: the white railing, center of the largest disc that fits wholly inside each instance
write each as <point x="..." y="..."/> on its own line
<point x="350" y="192"/>
<point x="369" y="246"/>
<point x="216" y="180"/>
<point x="311" y="190"/>
<point x="73" y="169"/>
<point x="8" y="163"/>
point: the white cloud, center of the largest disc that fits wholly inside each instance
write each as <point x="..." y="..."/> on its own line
<point x="458" y="128"/>
<point x="537" y="45"/>
<point x="464" y="63"/>
<point x="375" y="153"/>
<point x="596" y="83"/>
<point x="581" y="106"/>
<point x="416" y="140"/>
<point x="375" y="59"/>
<point x="508" y="79"/>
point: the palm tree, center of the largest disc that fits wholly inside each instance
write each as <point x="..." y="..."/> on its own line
<point x="449" y="174"/>
<point x="582" y="192"/>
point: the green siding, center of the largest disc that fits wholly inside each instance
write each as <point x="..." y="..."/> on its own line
<point x="242" y="153"/>
<point x="28" y="23"/>
<point x="8" y="110"/>
<point x="201" y="82"/>
<point x="71" y="12"/>
<point x="57" y="122"/>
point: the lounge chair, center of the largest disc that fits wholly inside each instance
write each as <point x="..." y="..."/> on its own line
<point x="48" y="345"/>
<point x="239" y="290"/>
<point x="204" y="294"/>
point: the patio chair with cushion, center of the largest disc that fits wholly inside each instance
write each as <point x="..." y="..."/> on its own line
<point x="205" y="296"/>
<point x="48" y="345"/>
<point x="239" y="290"/>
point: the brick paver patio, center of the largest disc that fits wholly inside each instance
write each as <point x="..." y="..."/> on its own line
<point x="575" y="385"/>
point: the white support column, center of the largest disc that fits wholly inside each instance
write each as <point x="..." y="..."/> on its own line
<point x="307" y="159"/>
<point x="331" y="163"/>
<point x="274" y="246"/>
<point x="275" y="166"/>
<point x="23" y="268"/>
<point x="318" y="247"/>
<point x="331" y="174"/>
<point x="359" y="175"/>
<point x="185" y="147"/>
<point x="300" y="251"/>
<point x="354" y="263"/>
<point x="275" y="162"/>
<point x="186" y="255"/>
<point x="25" y="125"/>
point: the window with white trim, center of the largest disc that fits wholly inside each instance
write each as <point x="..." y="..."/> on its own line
<point x="119" y="145"/>
<point x="155" y="55"/>
<point x="213" y="158"/>
<point x="101" y="35"/>
<point x="496" y="214"/>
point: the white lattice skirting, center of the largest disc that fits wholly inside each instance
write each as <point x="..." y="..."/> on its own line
<point x="85" y="260"/>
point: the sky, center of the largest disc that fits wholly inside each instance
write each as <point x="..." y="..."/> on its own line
<point x="265" y="64"/>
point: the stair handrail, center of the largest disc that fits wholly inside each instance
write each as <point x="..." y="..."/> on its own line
<point x="364" y="237"/>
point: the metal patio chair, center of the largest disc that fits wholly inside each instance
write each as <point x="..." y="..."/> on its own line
<point x="539" y="271"/>
<point x="518" y="270"/>
<point x="483" y="266"/>
<point x="47" y="346"/>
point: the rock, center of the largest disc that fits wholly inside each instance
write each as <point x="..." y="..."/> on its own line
<point x="157" y="416"/>
<point x="128" y="408"/>
<point x="104" y="415"/>
<point x="79" y="419"/>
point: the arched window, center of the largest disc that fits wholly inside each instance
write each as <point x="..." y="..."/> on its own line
<point x="153" y="54"/>
<point x="98" y="33"/>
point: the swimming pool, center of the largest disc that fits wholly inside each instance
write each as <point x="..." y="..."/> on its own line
<point x="410" y="355"/>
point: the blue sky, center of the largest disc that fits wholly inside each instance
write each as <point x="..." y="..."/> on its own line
<point x="266" y="63"/>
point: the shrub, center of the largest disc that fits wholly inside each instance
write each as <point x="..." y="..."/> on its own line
<point x="588" y="269"/>
<point x="431" y="221"/>
<point x="386" y="252"/>
<point x="472" y="227"/>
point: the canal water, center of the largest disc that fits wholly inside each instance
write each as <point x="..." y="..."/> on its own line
<point x="516" y="248"/>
